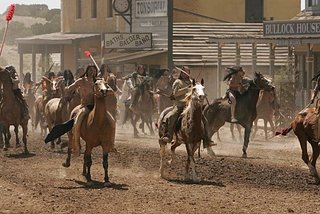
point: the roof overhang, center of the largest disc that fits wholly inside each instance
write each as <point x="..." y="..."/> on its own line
<point x="55" y="39"/>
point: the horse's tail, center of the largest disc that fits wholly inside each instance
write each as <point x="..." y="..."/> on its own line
<point x="283" y="132"/>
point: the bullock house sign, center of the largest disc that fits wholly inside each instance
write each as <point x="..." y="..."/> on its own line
<point x="128" y="40"/>
<point x="291" y="28"/>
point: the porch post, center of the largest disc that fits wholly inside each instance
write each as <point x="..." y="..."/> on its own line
<point x="61" y="57"/>
<point x="254" y="57"/>
<point x="34" y="63"/>
<point x="238" y="55"/>
<point x="219" y="68"/>
<point x="271" y="59"/>
<point x="21" y="65"/>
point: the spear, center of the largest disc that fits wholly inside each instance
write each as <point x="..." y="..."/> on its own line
<point x="88" y="54"/>
<point x="8" y="18"/>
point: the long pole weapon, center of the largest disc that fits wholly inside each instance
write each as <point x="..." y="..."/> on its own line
<point x="88" y="54"/>
<point x="8" y="18"/>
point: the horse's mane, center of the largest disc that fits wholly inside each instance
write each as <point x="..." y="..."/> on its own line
<point x="188" y="100"/>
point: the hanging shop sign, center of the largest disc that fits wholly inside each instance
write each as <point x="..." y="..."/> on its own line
<point x="128" y="40"/>
<point x="291" y="28"/>
<point x="151" y="8"/>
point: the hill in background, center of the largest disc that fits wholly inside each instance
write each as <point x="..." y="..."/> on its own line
<point x="28" y="20"/>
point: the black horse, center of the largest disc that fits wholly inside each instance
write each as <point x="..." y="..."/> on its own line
<point x="219" y="111"/>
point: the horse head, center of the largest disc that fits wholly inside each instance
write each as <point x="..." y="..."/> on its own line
<point x="100" y="88"/>
<point x="197" y="92"/>
<point x="262" y="82"/>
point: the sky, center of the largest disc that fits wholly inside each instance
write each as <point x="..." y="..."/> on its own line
<point x="51" y="3"/>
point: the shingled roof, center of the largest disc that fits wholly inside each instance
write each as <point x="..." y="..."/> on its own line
<point x="191" y="47"/>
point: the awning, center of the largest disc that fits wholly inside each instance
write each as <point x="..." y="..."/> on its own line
<point x="125" y="57"/>
<point x="55" y="38"/>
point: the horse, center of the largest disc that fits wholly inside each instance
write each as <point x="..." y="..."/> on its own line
<point x="266" y="108"/>
<point x="305" y="126"/>
<point x="97" y="129"/>
<point x="40" y="103"/>
<point x="11" y="112"/>
<point x="164" y="86"/>
<point x="57" y="110"/>
<point x="190" y="129"/>
<point x="219" y="111"/>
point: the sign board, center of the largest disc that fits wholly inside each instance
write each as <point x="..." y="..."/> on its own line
<point x="128" y="40"/>
<point x="151" y="8"/>
<point x="291" y="28"/>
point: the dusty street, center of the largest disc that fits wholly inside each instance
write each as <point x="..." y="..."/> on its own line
<point x="272" y="180"/>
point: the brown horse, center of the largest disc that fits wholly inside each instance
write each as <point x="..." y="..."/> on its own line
<point x="304" y="127"/>
<point x="190" y="130"/>
<point x="11" y="111"/>
<point x="97" y="129"/>
<point x="266" y="107"/>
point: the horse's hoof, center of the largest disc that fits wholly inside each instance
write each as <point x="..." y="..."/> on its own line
<point x="89" y="183"/>
<point x="18" y="145"/>
<point x="5" y="149"/>
<point x="107" y="184"/>
<point x="136" y="136"/>
<point x="26" y="152"/>
<point x="244" y="155"/>
<point x="66" y="164"/>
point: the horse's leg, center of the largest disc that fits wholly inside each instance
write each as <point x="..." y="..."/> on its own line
<point x="253" y="135"/>
<point x="162" y="153"/>
<point x="105" y="167"/>
<point x="70" y="140"/>
<point x="173" y="150"/>
<point x="265" y="125"/>
<point x="239" y="131"/>
<point x="134" y="120"/>
<point x="231" y="130"/>
<point x="149" y="124"/>
<point x="272" y="125"/>
<point x="313" y="160"/>
<point x="191" y="163"/>
<point x="7" y="138"/>
<point x="87" y="162"/>
<point x="24" y="136"/>
<point x="16" y="132"/>
<point x="218" y="136"/>
<point x="247" y="130"/>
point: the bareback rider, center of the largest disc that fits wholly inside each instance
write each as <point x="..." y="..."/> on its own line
<point x="235" y="76"/>
<point x="138" y="78"/>
<point x="85" y="87"/>
<point x="17" y="91"/>
<point x="28" y="84"/>
<point x="181" y="87"/>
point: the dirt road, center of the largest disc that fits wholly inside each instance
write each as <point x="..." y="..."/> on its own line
<point x="272" y="180"/>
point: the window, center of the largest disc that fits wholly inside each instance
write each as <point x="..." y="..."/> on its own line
<point x="313" y="3"/>
<point x="79" y="7"/>
<point x="109" y="9"/>
<point x="93" y="8"/>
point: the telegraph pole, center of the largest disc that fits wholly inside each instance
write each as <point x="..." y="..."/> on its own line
<point x="170" y="34"/>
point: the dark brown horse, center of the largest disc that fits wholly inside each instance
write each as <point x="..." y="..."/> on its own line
<point x="305" y="127"/>
<point x="11" y="111"/>
<point x="97" y="129"/>
<point x="144" y="109"/>
<point x="190" y="130"/>
<point x="219" y="112"/>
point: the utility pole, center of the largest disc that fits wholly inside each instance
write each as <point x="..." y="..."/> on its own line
<point x="170" y="34"/>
